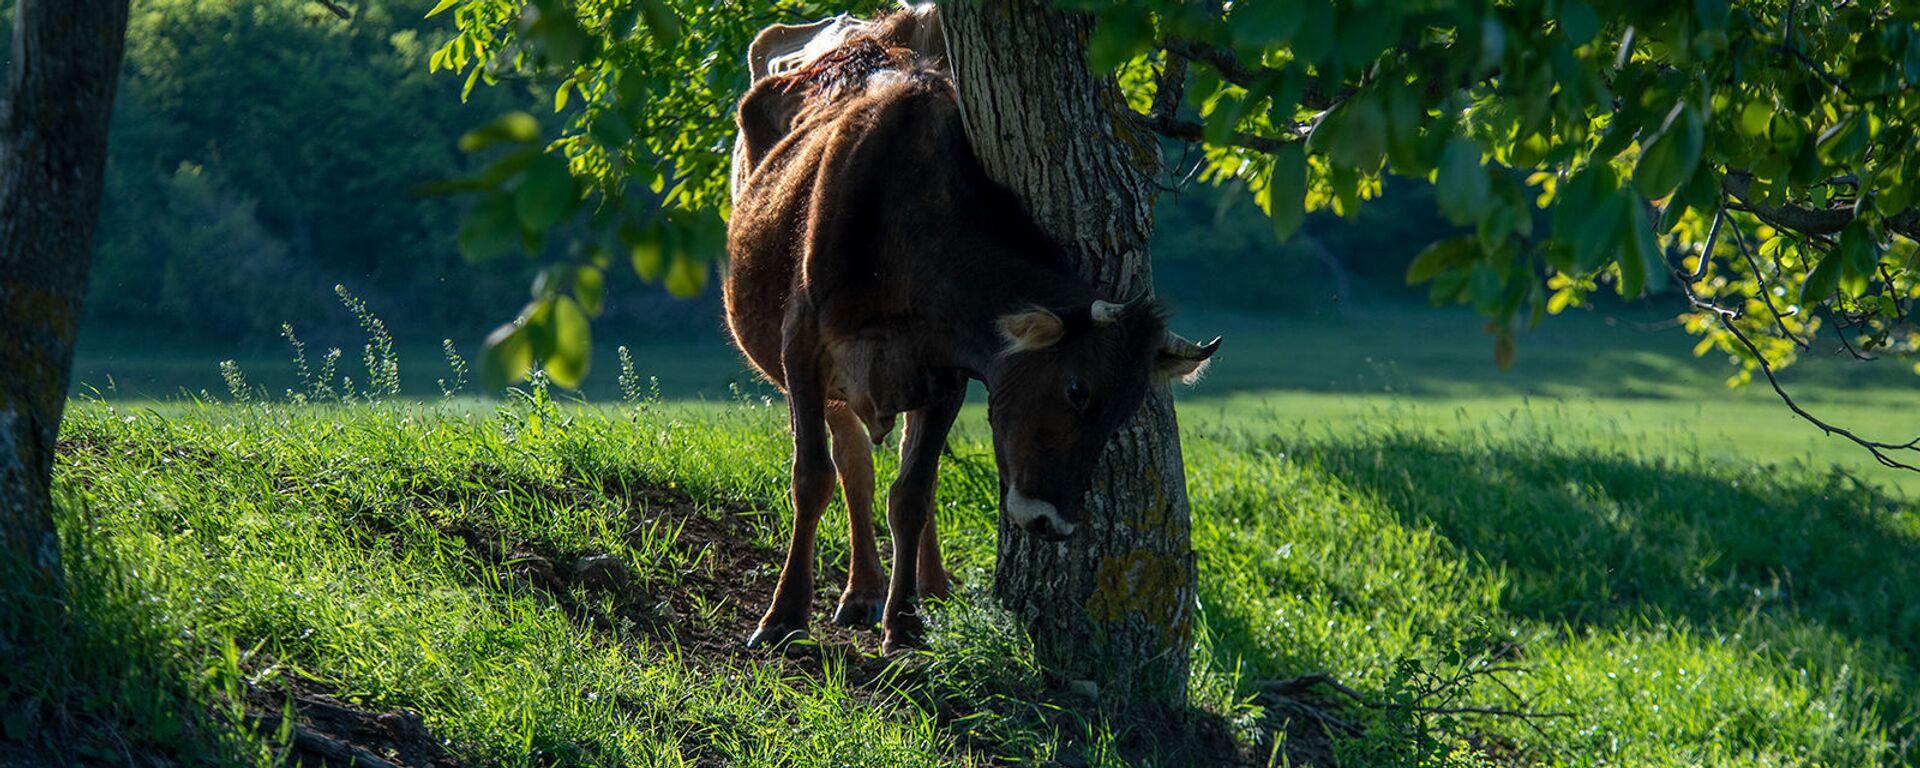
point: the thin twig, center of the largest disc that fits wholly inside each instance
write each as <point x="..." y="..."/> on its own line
<point x="1839" y="330"/>
<point x="1170" y="87"/>
<point x="1740" y="239"/>
<point x="1231" y="69"/>
<point x="322" y="745"/>
<point x="1878" y="449"/>
<point x="1892" y="290"/>
<point x="1187" y="130"/>
<point x="336" y="9"/>
<point x="1713" y="235"/>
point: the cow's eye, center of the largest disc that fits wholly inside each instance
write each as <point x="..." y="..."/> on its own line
<point x="1077" y="393"/>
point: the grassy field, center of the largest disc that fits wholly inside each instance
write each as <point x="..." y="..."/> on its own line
<point x="1592" y="378"/>
<point x="1676" y="574"/>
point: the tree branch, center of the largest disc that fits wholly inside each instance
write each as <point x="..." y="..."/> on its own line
<point x="336" y="9"/>
<point x="1726" y="317"/>
<point x="1811" y="221"/>
<point x="1229" y="66"/>
<point x="1170" y="87"/>
<point x="1740" y="240"/>
<point x="1188" y="130"/>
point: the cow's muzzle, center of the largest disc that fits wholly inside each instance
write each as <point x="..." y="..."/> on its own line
<point x="1040" y="518"/>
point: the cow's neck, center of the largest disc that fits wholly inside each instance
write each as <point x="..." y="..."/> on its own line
<point x="1007" y="286"/>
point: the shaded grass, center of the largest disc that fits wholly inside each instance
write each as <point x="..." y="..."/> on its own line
<point x="1691" y="613"/>
<point x="1685" y="610"/>
<point x="321" y="540"/>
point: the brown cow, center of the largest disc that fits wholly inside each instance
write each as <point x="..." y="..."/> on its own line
<point x="874" y="270"/>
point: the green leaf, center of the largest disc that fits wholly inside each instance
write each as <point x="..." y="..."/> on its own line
<point x="1462" y="182"/>
<point x="1911" y="63"/>
<point x="1641" y="263"/>
<point x="546" y="193"/>
<point x="1578" y="21"/>
<point x="648" y="250"/>
<point x="1845" y="140"/>
<point x="1703" y="190"/>
<point x="590" y="289"/>
<point x="1361" y="137"/>
<point x="1712" y="14"/>
<point x="1440" y="256"/>
<point x="1287" y="191"/>
<point x="1599" y="237"/>
<point x="1484" y="287"/>
<point x="560" y="37"/>
<point x="611" y="130"/>
<point x="1314" y="39"/>
<point x="1118" y="37"/>
<point x="537" y="318"/>
<point x="1671" y="157"/>
<point x="1404" y="117"/>
<point x="490" y="228"/>
<point x="687" y="277"/>
<point x="1822" y="281"/>
<point x="661" y="21"/>
<point x="1755" y="117"/>
<point x="510" y="127"/>
<point x="506" y="356"/>
<point x="441" y="6"/>
<point x="572" y="344"/>
<point x="1857" y="247"/>
<point x="1265" y="23"/>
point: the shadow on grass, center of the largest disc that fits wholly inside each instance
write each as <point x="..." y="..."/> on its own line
<point x="1818" y="571"/>
<point x="99" y="677"/>
<point x="1591" y="540"/>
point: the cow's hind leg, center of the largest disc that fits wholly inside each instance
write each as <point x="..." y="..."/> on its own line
<point x="866" y="592"/>
<point x="932" y="574"/>
<point x="786" y="618"/>
<point x="910" y="516"/>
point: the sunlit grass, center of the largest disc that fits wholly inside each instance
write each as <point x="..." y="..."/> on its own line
<point x="1683" y="609"/>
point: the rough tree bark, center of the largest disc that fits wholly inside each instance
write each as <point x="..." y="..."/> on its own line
<point x="1115" y="603"/>
<point x="53" y="149"/>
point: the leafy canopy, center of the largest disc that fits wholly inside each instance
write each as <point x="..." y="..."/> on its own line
<point x="1758" y="158"/>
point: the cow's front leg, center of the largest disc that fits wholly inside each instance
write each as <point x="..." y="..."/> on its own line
<point x="866" y="591"/>
<point x="910" y="515"/>
<point x="786" y="618"/>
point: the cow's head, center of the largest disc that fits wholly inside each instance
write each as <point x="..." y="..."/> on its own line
<point x="1066" y="380"/>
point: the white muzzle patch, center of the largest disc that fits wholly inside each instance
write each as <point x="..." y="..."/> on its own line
<point x="1026" y="510"/>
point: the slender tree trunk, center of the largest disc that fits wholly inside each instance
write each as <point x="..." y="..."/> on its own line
<point x="53" y="145"/>
<point x="1115" y="603"/>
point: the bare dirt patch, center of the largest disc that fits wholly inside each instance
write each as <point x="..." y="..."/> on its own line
<point x="327" y="732"/>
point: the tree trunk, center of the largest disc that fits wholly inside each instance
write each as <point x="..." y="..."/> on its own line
<point x="53" y="149"/>
<point x="1114" y="604"/>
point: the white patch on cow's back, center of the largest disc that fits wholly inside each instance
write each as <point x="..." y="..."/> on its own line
<point x="1025" y="509"/>
<point x="886" y="78"/>
<point x="823" y="43"/>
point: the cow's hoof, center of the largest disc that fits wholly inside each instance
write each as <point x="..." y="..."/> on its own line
<point x="859" y="612"/>
<point x="898" y="645"/>
<point x="777" y="637"/>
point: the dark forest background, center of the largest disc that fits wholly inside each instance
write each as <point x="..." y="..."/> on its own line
<point x="264" y="152"/>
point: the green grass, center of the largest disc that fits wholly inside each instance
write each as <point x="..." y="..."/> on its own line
<point x="1626" y="370"/>
<point x="1690" y="574"/>
<point x="1683" y="610"/>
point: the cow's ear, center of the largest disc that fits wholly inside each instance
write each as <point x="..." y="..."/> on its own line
<point x="1183" y="359"/>
<point x="1031" y="329"/>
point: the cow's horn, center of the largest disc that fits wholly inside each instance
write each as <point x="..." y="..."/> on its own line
<point x="1109" y="312"/>
<point x="1178" y="346"/>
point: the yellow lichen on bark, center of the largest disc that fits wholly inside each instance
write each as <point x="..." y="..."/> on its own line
<point x="1152" y="515"/>
<point x="1149" y="583"/>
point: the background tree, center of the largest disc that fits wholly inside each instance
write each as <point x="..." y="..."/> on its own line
<point x="53" y="146"/>
<point x="1758" y="159"/>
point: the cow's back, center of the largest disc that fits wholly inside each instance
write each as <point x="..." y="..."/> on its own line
<point x="834" y="181"/>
